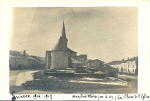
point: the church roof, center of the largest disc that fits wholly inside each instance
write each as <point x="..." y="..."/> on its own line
<point x="68" y="49"/>
<point x="62" y="42"/>
<point x="71" y="50"/>
<point x="59" y="45"/>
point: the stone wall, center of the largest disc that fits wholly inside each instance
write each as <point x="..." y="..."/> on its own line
<point x="48" y="59"/>
<point x="59" y="59"/>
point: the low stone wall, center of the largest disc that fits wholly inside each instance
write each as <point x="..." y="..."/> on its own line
<point x="59" y="74"/>
<point x="78" y="75"/>
<point x="90" y="75"/>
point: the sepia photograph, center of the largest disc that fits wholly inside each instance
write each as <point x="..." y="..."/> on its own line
<point x="70" y="50"/>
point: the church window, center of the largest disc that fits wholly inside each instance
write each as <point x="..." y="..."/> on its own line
<point x="133" y="70"/>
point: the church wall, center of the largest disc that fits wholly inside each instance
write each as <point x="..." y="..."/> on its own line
<point x="59" y="59"/>
<point x="48" y="59"/>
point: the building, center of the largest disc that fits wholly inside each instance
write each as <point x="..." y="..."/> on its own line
<point x="110" y="71"/>
<point x="129" y="66"/>
<point x="60" y="56"/>
<point x="99" y="65"/>
<point x="22" y="60"/>
<point x="75" y="63"/>
<point x="96" y="64"/>
<point x="82" y="57"/>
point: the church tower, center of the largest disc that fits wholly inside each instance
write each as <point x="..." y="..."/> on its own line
<point x="60" y="56"/>
<point x="62" y="42"/>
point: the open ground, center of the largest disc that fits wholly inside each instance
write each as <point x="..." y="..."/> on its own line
<point x="22" y="82"/>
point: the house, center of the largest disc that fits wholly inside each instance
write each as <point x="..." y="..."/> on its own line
<point x="129" y="66"/>
<point x="39" y="60"/>
<point x="96" y="64"/>
<point x="110" y="71"/>
<point x="82" y="57"/>
<point x="22" y="60"/>
<point x="75" y="63"/>
<point x="100" y="66"/>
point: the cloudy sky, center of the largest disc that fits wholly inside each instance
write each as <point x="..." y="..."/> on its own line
<point x="105" y="33"/>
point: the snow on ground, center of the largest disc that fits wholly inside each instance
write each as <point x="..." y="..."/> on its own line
<point x="105" y="81"/>
<point x="127" y="76"/>
<point x="87" y="78"/>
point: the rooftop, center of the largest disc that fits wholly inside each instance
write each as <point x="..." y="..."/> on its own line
<point x="122" y="61"/>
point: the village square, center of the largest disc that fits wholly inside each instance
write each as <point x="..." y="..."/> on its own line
<point x="69" y="50"/>
<point x="63" y="71"/>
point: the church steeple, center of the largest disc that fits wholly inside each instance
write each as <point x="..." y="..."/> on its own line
<point x="62" y="42"/>
<point x="63" y="31"/>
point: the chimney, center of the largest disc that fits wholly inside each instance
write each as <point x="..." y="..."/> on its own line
<point x="24" y="53"/>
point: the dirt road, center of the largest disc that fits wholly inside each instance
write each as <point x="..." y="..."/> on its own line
<point x="16" y="78"/>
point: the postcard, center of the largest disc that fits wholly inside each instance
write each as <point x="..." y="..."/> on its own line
<point x="77" y="50"/>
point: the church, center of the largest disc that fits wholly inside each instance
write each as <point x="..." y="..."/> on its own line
<point x="60" y="56"/>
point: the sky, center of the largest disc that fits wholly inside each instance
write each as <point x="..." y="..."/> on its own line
<point x="105" y="33"/>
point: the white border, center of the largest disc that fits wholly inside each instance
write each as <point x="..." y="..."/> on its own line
<point x="143" y="34"/>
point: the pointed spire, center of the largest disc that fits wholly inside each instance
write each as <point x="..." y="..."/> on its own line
<point x="63" y="31"/>
<point x="62" y="42"/>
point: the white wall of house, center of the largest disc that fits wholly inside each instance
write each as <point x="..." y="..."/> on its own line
<point x="126" y="67"/>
